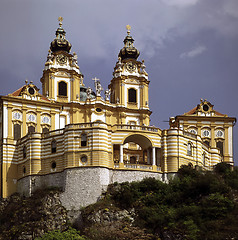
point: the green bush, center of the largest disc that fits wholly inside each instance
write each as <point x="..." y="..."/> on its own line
<point x="194" y="205"/>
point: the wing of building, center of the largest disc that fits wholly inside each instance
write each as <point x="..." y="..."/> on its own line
<point x="71" y="136"/>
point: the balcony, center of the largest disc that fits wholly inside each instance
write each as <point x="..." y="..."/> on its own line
<point x="136" y="127"/>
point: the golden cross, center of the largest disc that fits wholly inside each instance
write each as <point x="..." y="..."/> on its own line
<point x="60" y="19"/>
<point x="128" y="27"/>
<point x="95" y="79"/>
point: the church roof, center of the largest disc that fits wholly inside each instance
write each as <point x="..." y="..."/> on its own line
<point x="60" y="43"/>
<point x="128" y="51"/>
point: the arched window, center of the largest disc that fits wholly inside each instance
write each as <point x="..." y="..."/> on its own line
<point x="132" y="95"/>
<point x="132" y="159"/>
<point x="17" y="131"/>
<point x="62" y="88"/>
<point x="207" y="143"/>
<point x="83" y="140"/>
<point x="24" y="152"/>
<point x="31" y="129"/>
<point x="219" y="145"/>
<point x="45" y="130"/>
<point x="189" y="149"/>
<point x="53" y="146"/>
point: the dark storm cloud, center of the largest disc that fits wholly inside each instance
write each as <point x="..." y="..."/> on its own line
<point x="189" y="46"/>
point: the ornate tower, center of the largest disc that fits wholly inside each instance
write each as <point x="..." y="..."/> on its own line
<point x="129" y="85"/>
<point x="61" y="78"/>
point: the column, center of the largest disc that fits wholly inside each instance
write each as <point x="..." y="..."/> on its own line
<point x="153" y="156"/>
<point x="148" y="156"/>
<point x="121" y="153"/>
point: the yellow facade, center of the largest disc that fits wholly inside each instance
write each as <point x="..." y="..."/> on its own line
<point x="72" y="126"/>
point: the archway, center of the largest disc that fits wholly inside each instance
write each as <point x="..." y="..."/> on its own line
<point x="135" y="149"/>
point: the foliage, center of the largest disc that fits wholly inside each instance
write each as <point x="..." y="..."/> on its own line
<point x="196" y="204"/>
<point x="70" y="234"/>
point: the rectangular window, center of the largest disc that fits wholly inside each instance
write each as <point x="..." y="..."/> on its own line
<point x="17" y="131"/>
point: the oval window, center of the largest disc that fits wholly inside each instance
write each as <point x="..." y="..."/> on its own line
<point x="53" y="165"/>
<point x="98" y="109"/>
<point x="205" y="107"/>
<point x="31" y="90"/>
<point x="84" y="159"/>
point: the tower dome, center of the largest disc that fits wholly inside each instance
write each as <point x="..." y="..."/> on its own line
<point x="60" y="42"/>
<point x="128" y="51"/>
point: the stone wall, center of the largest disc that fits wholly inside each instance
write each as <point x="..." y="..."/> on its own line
<point x="82" y="186"/>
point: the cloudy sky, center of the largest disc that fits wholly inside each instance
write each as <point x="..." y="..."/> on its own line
<point x="190" y="47"/>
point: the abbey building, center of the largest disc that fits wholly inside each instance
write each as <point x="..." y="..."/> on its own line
<point x="82" y="139"/>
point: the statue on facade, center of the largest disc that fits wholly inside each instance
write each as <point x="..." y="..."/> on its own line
<point x="50" y="56"/>
<point x="98" y="89"/>
<point x="75" y="59"/>
<point x="143" y="67"/>
<point x="89" y="92"/>
<point x="119" y="64"/>
<point x="98" y="86"/>
<point x="107" y="94"/>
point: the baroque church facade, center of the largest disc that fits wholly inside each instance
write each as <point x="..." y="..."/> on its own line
<point x="71" y="136"/>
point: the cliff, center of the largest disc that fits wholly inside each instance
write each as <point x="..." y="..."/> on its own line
<point x="195" y="205"/>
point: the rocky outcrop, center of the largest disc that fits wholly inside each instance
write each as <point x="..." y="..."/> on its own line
<point x="27" y="218"/>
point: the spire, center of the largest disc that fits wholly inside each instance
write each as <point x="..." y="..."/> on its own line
<point x="60" y="42"/>
<point x="128" y="51"/>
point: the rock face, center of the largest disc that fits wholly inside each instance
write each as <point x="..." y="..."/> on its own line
<point x="112" y="223"/>
<point x="105" y="216"/>
<point x="27" y="218"/>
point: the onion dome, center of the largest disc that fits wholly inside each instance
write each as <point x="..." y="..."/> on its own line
<point x="128" y="51"/>
<point x="60" y="43"/>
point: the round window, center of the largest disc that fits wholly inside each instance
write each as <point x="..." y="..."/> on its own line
<point x="205" y="107"/>
<point x="53" y="165"/>
<point x="31" y="118"/>
<point x="31" y="90"/>
<point x="98" y="109"/>
<point x="206" y="133"/>
<point x="193" y="131"/>
<point x="17" y="115"/>
<point x="219" y="133"/>
<point x="84" y="159"/>
<point x="45" y="119"/>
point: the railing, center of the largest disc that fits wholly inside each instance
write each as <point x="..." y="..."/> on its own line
<point x="189" y="134"/>
<point x="136" y="166"/>
<point x="86" y="125"/>
<point x="53" y="133"/>
<point x="136" y="127"/>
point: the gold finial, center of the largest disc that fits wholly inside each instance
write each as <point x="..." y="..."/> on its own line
<point x="60" y="19"/>
<point x="128" y="27"/>
<point x="26" y="81"/>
